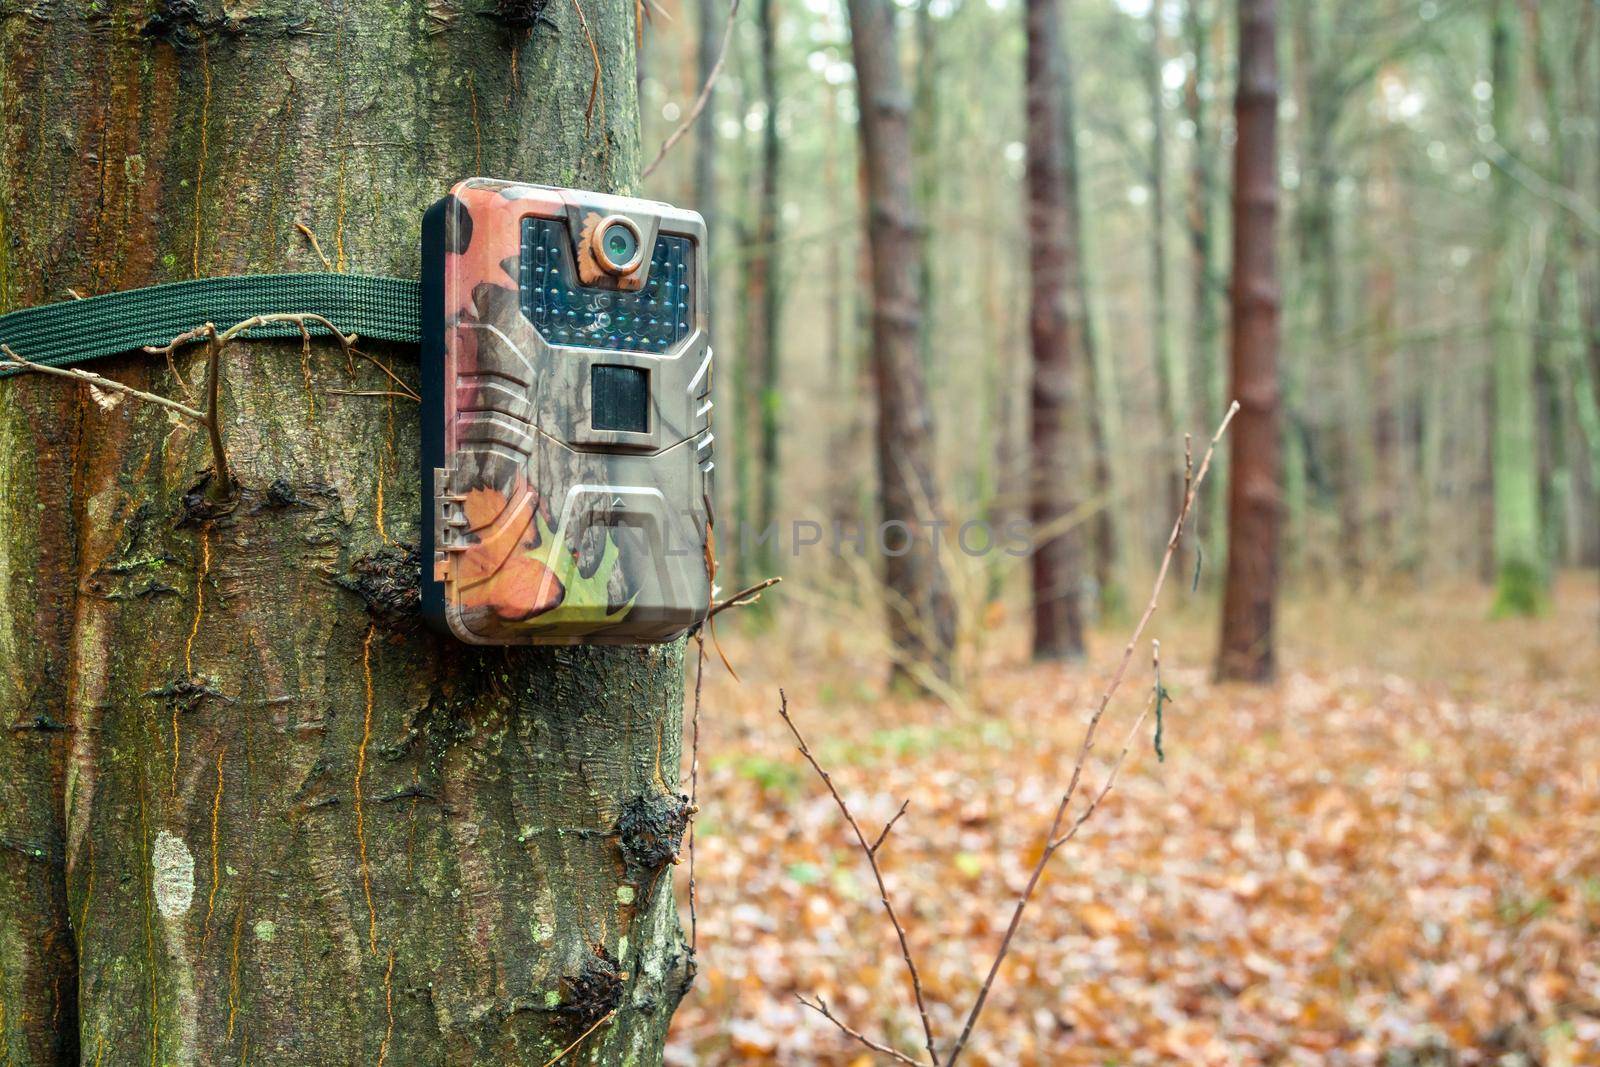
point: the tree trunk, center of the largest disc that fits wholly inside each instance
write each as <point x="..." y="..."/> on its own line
<point x="1170" y="385"/>
<point x="1254" y="494"/>
<point x="708" y="40"/>
<point x="1102" y="406"/>
<point x="922" y="621"/>
<point x="928" y="165"/>
<point x="762" y="289"/>
<point x="1207" y="378"/>
<point x="1055" y="468"/>
<point x="1518" y="552"/>
<point x="250" y="810"/>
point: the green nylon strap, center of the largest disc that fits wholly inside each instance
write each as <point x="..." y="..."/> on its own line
<point x="386" y="309"/>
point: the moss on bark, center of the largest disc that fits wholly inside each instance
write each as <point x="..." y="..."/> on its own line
<point x="247" y="810"/>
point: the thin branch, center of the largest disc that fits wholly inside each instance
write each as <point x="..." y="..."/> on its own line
<point x="405" y="390"/>
<point x="884" y="835"/>
<point x="1127" y="745"/>
<point x="316" y="246"/>
<point x="870" y="852"/>
<point x="710" y="551"/>
<point x="744" y="597"/>
<point x="700" y="101"/>
<point x="369" y="392"/>
<point x="22" y="364"/>
<point x="594" y="53"/>
<point x="1053" y="837"/>
<point x="821" y="1008"/>
<point x="214" y="414"/>
<point x="694" y="790"/>
<point x="558" y="1057"/>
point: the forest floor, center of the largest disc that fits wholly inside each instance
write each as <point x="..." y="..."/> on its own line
<point x="1391" y="856"/>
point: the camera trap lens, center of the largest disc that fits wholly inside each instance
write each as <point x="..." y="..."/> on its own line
<point x="618" y="245"/>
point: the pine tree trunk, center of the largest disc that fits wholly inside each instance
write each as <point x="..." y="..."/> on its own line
<point x="1254" y="493"/>
<point x="922" y="621"/>
<point x="250" y="811"/>
<point x="1055" y="468"/>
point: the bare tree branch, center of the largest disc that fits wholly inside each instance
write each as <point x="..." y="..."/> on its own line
<point x="884" y="835"/>
<point x="694" y="791"/>
<point x="821" y="1008"/>
<point x="558" y="1057"/>
<point x="870" y="851"/>
<point x="22" y="364"/>
<point x="700" y="101"/>
<point x="1053" y="837"/>
<point x="744" y="597"/>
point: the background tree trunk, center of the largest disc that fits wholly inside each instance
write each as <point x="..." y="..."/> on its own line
<point x="1254" y="493"/>
<point x="928" y="165"/>
<point x="249" y="810"/>
<point x="922" y="620"/>
<point x="1104" y="426"/>
<point x="1170" y="383"/>
<point x="1206" y="375"/>
<point x="762" y="287"/>
<point x="1054" y="468"/>
<point x="1518" y="552"/>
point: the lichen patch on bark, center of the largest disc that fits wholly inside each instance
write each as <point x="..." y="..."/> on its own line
<point x="172" y="875"/>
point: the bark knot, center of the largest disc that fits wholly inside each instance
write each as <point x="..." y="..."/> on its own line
<point x="595" y="991"/>
<point x="520" y="14"/>
<point x="185" y="694"/>
<point x="177" y="22"/>
<point x="650" y="832"/>
<point x="389" y="581"/>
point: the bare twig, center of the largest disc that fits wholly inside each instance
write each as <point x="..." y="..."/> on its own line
<point x="1054" y="838"/>
<point x="316" y="246"/>
<point x="213" y="414"/>
<point x="1116" y="764"/>
<point x="870" y="851"/>
<point x="744" y="597"/>
<point x="370" y="392"/>
<point x="211" y="417"/>
<point x="699" y="101"/>
<point x="694" y="791"/>
<point x="884" y="834"/>
<point x="207" y="331"/>
<point x="820" y="1006"/>
<point x="594" y="54"/>
<point x="22" y="364"/>
<point x="405" y="390"/>
<point x="558" y="1057"/>
<point x="710" y="548"/>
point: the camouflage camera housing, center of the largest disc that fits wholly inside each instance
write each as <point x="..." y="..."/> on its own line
<point x="566" y="407"/>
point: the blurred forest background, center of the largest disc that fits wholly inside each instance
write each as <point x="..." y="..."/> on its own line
<point x="1387" y="855"/>
<point x="1438" y="218"/>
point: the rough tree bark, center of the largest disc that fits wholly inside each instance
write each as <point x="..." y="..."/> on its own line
<point x="1254" y="494"/>
<point x="1054" y="469"/>
<point x="249" y="811"/>
<point x="921" y="610"/>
